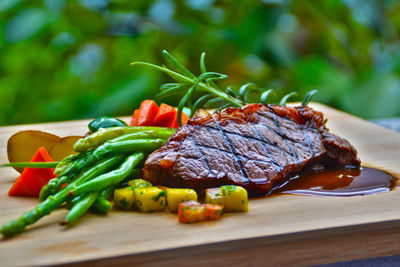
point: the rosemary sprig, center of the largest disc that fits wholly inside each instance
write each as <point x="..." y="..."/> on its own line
<point x="205" y="89"/>
<point x="188" y="82"/>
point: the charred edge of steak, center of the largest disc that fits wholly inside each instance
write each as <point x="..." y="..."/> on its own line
<point x="257" y="146"/>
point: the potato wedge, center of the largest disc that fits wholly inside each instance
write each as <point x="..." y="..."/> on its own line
<point x="22" y="145"/>
<point x="63" y="147"/>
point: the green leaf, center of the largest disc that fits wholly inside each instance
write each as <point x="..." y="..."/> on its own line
<point x="208" y="76"/>
<point x="308" y="96"/>
<point x="182" y="104"/>
<point x="202" y="63"/>
<point x="264" y="96"/>
<point x="200" y="101"/>
<point x="286" y="97"/>
<point x="244" y="90"/>
<point x="170" y="91"/>
<point x="178" y="66"/>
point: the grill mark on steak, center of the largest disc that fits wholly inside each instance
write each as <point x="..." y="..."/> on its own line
<point x="266" y="149"/>
<point x="233" y="155"/>
<point x="284" y="136"/>
<point x="263" y="141"/>
<point x="233" y="150"/>
<point x="202" y="156"/>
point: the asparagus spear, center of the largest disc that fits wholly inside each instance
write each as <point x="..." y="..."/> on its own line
<point x="111" y="178"/>
<point x="80" y="208"/>
<point x="17" y="226"/>
<point x="65" y="166"/>
<point x="104" y="134"/>
<point x="115" y="148"/>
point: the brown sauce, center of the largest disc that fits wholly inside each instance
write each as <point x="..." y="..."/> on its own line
<point x="338" y="183"/>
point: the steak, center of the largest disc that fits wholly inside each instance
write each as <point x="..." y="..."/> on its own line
<point x="257" y="146"/>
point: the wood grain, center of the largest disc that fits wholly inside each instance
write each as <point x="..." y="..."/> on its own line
<point x="284" y="229"/>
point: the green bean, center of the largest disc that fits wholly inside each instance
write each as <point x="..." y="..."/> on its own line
<point x="80" y="208"/>
<point x="148" y="134"/>
<point x="111" y="178"/>
<point x="65" y="171"/>
<point x="117" y="148"/>
<point x="93" y="156"/>
<point x="73" y="202"/>
<point x="17" y="226"/>
<point x="104" y="134"/>
<point x="102" y="205"/>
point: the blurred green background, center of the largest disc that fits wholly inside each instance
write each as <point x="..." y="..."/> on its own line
<point x="63" y="60"/>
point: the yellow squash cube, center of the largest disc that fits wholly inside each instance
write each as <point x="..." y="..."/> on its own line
<point x="124" y="198"/>
<point x="139" y="183"/>
<point x="235" y="198"/>
<point x="215" y="196"/>
<point x="150" y="199"/>
<point x="175" y="196"/>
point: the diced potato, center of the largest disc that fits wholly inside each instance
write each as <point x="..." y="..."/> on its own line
<point x="178" y="195"/>
<point x="139" y="183"/>
<point x="150" y="199"/>
<point x="235" y="198"/>
<point x="124" y="198"/>
<point x="191" y="212"/>
<point x="213" y="212"/>
<point x="215" y="196"/>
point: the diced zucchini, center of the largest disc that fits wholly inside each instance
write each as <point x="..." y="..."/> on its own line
<point x="235" y="198"/>
<point x="150" y="199"/>
<point x="178" y="195"/>
<point x="124" y="198"/>
<point x="139" y="183"/>
<point x="215" y="196"/>
<point x="191" y="212"/>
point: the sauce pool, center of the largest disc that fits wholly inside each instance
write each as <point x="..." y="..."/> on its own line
<point x="338" y="183"/>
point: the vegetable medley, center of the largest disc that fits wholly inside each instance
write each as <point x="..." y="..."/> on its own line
<point x="103" y="172"/>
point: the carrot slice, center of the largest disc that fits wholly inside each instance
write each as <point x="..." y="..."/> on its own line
<point x="190" y="212"/>
<point x="165" y="116"/>
<point x="135" y="116"/>
<point x="213" y="211"/>
<point x="31" y="180"/>
<point x="174" y="123"/>
<point x="148" y="111"/>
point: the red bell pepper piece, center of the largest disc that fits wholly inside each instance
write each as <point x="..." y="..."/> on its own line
<point x="148" y="111"/>
<point x="135" y="116"/>
<point x="31" y="180"/>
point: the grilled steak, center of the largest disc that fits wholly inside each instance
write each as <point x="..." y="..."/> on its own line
<point x="258" y="147"/>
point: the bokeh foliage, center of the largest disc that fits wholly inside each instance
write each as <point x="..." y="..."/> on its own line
<point x="63" y="60"/>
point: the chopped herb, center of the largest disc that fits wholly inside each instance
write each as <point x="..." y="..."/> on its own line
<point x="124" y="203"/>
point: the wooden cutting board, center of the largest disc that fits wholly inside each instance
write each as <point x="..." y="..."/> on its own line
<point x="283" y="229"/>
